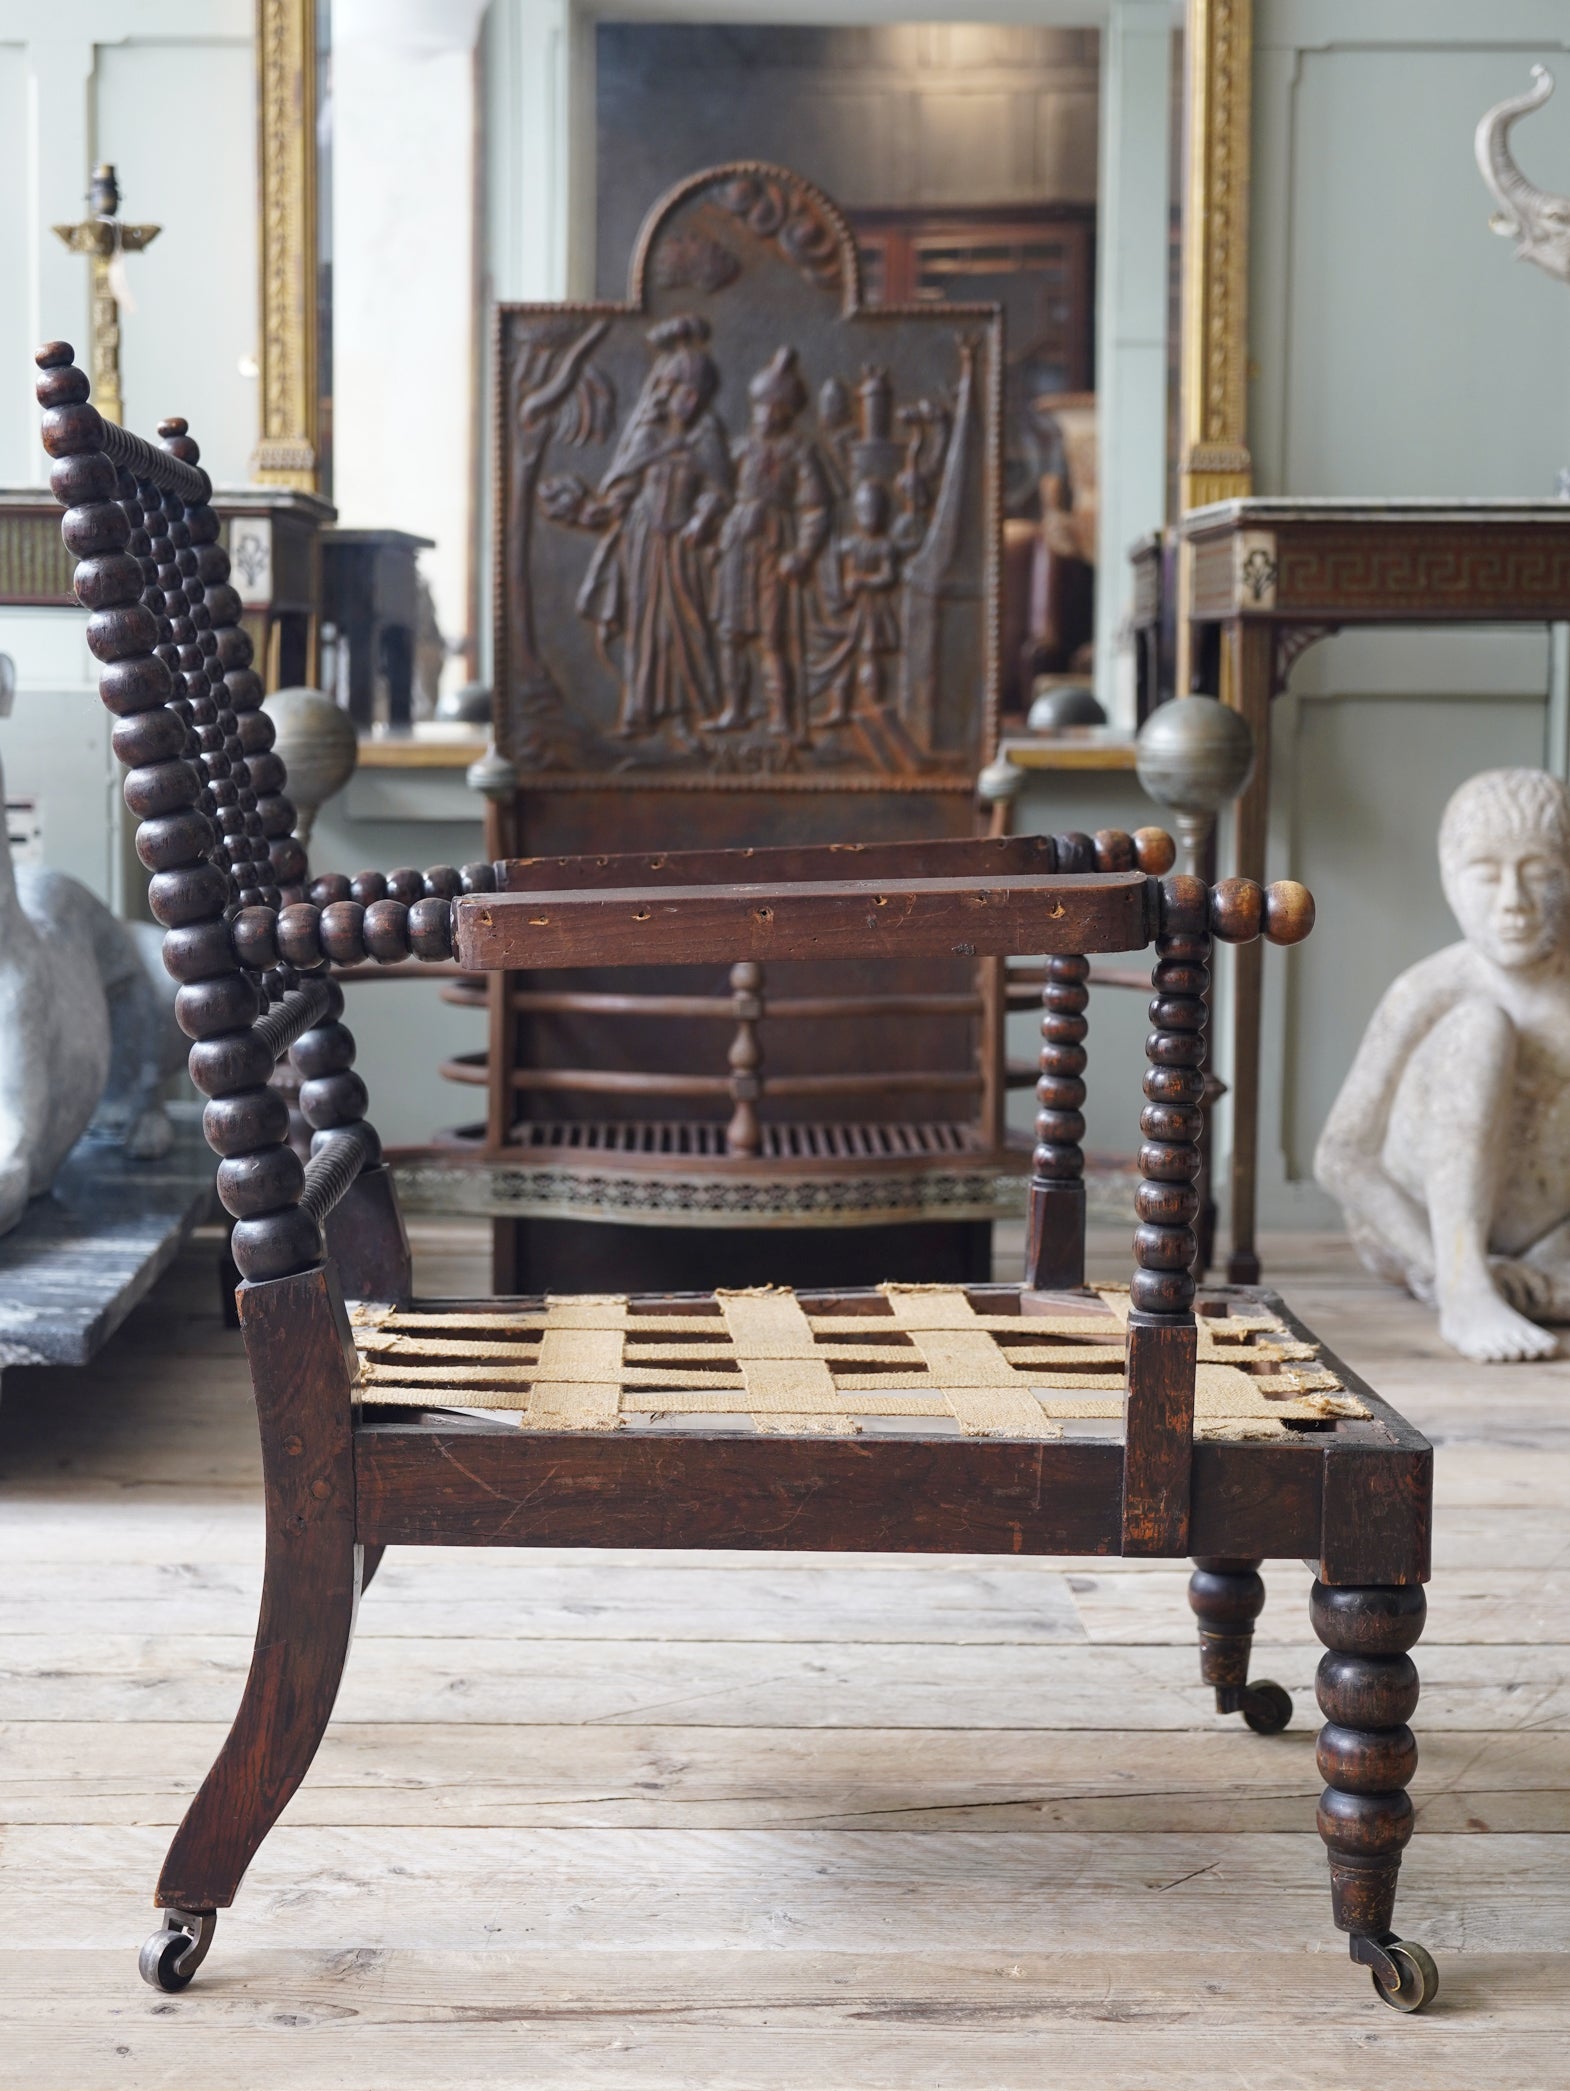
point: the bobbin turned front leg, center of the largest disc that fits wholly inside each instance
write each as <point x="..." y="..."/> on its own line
<point x="1227" y="1596"/>
<point x="1367" y="1688"/>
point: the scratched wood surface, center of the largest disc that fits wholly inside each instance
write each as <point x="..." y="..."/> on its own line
<point x="731" y="1821"/>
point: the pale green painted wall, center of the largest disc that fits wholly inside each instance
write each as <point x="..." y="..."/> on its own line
<point x="1131" y="317"/>
<point x="1399" y="350"/>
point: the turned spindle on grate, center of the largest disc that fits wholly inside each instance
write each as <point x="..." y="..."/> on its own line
<point x="744" y="1135"/>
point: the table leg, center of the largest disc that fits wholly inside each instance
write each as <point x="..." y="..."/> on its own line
<point x="1250" y="646"/>
<point x="1204" y="866"/>
<point x="501" y="1043"/>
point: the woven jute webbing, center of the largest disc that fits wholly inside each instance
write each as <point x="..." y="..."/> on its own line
<point x="758" y="1359"/>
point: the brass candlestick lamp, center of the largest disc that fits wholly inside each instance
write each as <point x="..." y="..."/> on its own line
<point x="105" y="241"/>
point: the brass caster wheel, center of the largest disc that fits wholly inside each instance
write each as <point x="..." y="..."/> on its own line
<point x="1266" y="1707"/>
<point x="172" y="1956"/>
<point x="1418" y="1982"/>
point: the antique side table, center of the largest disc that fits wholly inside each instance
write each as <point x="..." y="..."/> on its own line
<point x="1267" y="578"/>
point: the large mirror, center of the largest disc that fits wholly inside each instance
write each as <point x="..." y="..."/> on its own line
<point x="465" y="152"/>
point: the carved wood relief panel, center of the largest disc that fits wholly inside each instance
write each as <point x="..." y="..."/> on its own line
<point x="750" y="530"/>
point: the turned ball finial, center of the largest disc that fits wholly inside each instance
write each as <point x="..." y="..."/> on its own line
<point x="54" y="355"/>
<point x="1240" y="911"/>
<point x="1154" y="851"/>
<point x="1237" y="911"/>
<point x="1289" y="912"/>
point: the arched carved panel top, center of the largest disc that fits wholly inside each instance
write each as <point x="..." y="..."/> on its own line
<point x="688" y="240"/>
<point x="749" y="531"/>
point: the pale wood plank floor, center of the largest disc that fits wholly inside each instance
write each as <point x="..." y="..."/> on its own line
<point x="759" y="1821"/>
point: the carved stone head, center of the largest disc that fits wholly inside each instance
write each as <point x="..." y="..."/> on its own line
<point x="1504" y="858"/>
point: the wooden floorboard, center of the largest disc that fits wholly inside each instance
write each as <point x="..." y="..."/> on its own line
<point x="62" y="1773"/>
<point x="739" y="1821"/>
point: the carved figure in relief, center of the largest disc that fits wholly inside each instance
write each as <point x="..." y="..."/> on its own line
<point x="857" y="669"/>
<point x="859" y="652"/>
<point x="769" y="546"/>
<point x="655" y="513"/>
<point x="926" y="427"/>
<point x="1449" y="1145"/>
<point x="556" y="392"/>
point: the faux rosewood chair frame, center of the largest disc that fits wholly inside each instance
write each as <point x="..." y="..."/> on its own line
<point x="344" y="1479"/>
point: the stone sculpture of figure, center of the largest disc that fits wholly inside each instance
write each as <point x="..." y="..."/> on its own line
<point x="86" y="1030"/>
<point x="768" y="547"/>
<point x="864" y="583"/>
<point x="656" y="510"/>
<point x="1449" y="1145"/>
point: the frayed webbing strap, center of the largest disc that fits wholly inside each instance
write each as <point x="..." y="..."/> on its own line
<point x="757" y="1356"/>
<point x="786" y="1374"/>
<point x="986" y="1392"/>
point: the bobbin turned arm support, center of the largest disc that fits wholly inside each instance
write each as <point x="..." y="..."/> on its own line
<point x="1055" y="1205"/>
<point x="1163" y="1340"/>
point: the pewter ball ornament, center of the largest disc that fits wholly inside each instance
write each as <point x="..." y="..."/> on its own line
<point x="1194" y="754"/>
<point x="470" y="705"/>
<point x="1063" y="705"/>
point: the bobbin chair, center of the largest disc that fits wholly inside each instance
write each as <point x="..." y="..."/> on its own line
<point x="1045" y="1418"/>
